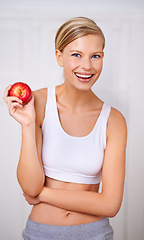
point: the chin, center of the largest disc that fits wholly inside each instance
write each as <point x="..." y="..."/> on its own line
<point x="83" y="86"/>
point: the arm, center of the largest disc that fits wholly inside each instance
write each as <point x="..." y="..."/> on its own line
<point x="29" y="171"/>
<point x="108" y="202"/>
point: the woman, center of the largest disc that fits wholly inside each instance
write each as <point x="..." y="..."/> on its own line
<point x="71" y="140"/>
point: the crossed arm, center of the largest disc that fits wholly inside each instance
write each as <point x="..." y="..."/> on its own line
<point x="30" y="170"/>
<point x="108" y="202"/>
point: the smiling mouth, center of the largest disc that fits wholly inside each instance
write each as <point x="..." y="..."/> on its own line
<point x="84" y="77"/>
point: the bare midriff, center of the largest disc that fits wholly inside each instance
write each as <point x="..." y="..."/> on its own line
<point x="49" y="214"/>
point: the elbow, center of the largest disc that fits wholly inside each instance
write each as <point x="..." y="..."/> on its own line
<point x="32" y="192"/>
<point x="30" y="188"/>
<point x="111" y="205"/>
<point x="113" y="210"/>
<point x="112" y="214"/>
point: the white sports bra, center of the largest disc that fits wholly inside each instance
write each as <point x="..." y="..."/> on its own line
<point x="68" y="158"/>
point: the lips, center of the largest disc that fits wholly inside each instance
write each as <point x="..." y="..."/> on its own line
<point x="84" y="77"/>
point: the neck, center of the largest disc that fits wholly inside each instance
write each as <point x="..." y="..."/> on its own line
<point x="75" y="99"/>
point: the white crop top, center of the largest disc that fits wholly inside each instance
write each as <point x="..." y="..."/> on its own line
<point x="68" y="158"/>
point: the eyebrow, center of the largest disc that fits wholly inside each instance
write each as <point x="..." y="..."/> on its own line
<point x="75" y="51"/>
<point x="81" y="52"/>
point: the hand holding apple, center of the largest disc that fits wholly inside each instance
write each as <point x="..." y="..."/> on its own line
<point x="21" y="108"/>
<point x="22" y="91"/>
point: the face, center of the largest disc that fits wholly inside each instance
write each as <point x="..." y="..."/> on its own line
<point x="82" y="61"/>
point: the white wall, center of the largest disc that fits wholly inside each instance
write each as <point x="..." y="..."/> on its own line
<point x="27" y="30"/>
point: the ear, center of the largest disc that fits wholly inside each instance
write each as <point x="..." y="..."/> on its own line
<point x="59" y="58"/>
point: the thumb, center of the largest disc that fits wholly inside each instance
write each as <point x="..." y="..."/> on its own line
<point x="31" y="102"/>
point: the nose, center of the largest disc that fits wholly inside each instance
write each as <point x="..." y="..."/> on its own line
<point x="86" y="63"/>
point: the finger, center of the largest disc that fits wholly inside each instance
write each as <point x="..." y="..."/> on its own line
<point x="12" y="103"/>
<point x="30" y="103"/>
<point x="16" y="105"/>
<point x="24" y="194"/>
<point x="31" y="100"/>
<point x="11" y="100"/>
<point x="13" y="107"/>
<point x="6" y="93"/>
<point x="14" y="99"/>
<point x="7" y="98"/>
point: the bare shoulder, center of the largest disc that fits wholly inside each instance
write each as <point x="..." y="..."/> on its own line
<point x="117" y="126"/>
<point x="40" y="98"/>
<point x="40" y="95"/>
<point x="117" y="118"/>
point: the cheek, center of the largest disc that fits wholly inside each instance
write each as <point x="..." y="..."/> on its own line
<point x="67" y="70"/>
<point x="70" y="66"/>
<point x="99" y="66"/>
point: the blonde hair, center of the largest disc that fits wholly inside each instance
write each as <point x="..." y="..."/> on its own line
<point x="75" y="28"/>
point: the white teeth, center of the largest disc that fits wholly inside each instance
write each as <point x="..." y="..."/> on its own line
<point x="83" y="76"/>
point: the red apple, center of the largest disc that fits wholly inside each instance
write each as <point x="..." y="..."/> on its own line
<point x="22" y="91"/>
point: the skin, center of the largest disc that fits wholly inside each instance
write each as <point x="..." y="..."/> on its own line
<point x="62" y="203"/>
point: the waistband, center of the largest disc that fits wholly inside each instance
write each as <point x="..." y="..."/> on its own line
<point x="84" y="231"/>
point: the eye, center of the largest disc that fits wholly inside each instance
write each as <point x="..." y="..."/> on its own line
<point x="96" y="56"/>
<point x="76" y="55"/>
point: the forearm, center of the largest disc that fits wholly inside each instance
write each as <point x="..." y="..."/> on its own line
<point x="80" y="201"/>
<point x="29" y="171"/>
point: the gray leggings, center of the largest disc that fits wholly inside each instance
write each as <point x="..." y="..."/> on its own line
<point x="100" y="230"/>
